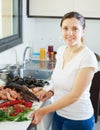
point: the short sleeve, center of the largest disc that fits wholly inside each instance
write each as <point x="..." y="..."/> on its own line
<point x="89" y="60"/>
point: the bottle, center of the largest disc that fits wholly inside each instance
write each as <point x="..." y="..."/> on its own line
<point x="50" y="51"/>
<point x="42" y="54"/>
<point x="50" y="48"/>
<point x="52" y="56"/>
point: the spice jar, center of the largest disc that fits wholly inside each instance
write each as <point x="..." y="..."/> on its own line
<point x="50" y="48"/>
<point x="52" y="56"/>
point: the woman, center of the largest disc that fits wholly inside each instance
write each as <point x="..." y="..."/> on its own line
<point x="72" y="76"/>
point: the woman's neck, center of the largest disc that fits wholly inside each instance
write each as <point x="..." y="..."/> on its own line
<point x="75" y="49"/>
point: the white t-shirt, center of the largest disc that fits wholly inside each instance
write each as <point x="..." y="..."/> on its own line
<point x="63" y="80"/>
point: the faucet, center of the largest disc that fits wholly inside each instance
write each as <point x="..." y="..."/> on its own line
<point x="24" y="56"/>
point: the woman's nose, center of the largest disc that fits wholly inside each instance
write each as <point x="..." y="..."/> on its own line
<point x="70" y="32"/>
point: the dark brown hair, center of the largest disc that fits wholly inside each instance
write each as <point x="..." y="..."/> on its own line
<point x="74" y="15"/>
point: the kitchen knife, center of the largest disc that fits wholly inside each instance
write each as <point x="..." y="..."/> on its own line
<point x="31" y="127"/>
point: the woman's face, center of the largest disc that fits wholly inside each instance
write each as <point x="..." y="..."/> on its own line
<point x="72" y="31"/>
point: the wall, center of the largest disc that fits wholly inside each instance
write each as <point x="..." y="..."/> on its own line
<point x="38" y="32"/>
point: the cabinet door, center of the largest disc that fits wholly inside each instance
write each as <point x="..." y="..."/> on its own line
<point x="51" y="8"/>
<point x="88" y="8"/>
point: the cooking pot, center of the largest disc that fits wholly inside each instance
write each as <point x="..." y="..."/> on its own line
<point x="13" y="70"/>
<point x="10" y="71"/>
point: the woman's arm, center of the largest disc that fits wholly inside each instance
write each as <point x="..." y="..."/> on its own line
<point x="84" y="77"/>
<point x="82" y="80"/>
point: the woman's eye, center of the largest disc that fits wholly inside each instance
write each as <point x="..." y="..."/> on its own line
<point x="65" y="28"/>
<point x="75" y="29"/>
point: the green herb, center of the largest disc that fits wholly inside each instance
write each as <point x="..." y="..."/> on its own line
<point x="23" y="116"/>
<point x="4" y="116"/>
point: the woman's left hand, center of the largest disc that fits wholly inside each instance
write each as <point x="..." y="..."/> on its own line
<point x="37" y="116"/>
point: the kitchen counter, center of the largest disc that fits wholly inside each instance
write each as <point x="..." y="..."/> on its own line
<point x="14" y="125"/>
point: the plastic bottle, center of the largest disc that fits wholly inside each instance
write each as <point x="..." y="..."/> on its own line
<point x="42" y="54"/>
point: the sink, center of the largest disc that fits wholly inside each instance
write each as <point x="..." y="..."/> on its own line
<point x="36" y="73"/>
<point x="37" y="69"/>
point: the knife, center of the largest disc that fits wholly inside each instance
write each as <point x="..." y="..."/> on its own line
<point x="31" y="127"/>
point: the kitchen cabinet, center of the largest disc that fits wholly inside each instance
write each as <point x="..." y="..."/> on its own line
<point x="49" y="8"/>
<point x="57" y="8"/>
<point x="88" y="8"/>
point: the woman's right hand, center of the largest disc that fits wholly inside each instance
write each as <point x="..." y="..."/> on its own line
<point x="45" y="95"/>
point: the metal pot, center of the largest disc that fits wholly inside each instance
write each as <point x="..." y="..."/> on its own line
<point x="9" y="71"/>
<point x="13" y="70"/>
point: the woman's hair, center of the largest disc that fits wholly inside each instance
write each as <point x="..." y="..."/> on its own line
<point x="74" y="15"/>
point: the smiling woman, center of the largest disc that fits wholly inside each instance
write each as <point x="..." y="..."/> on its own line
<point x="10" y="23"/>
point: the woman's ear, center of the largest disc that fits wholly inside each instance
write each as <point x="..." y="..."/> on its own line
<point x="84" y="30"/>
<point x="82" y="39"/>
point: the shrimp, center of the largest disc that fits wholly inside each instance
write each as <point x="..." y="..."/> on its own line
<point x="13" y="94"/>
<point x="3" y="95"/>
<point x="9" y="96"/>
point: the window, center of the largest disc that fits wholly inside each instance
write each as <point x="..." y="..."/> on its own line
<point x="10" y="23"/>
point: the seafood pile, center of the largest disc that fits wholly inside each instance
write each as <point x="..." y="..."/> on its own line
<point x="17" y="98"/>
<point x="22" y="88"/>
